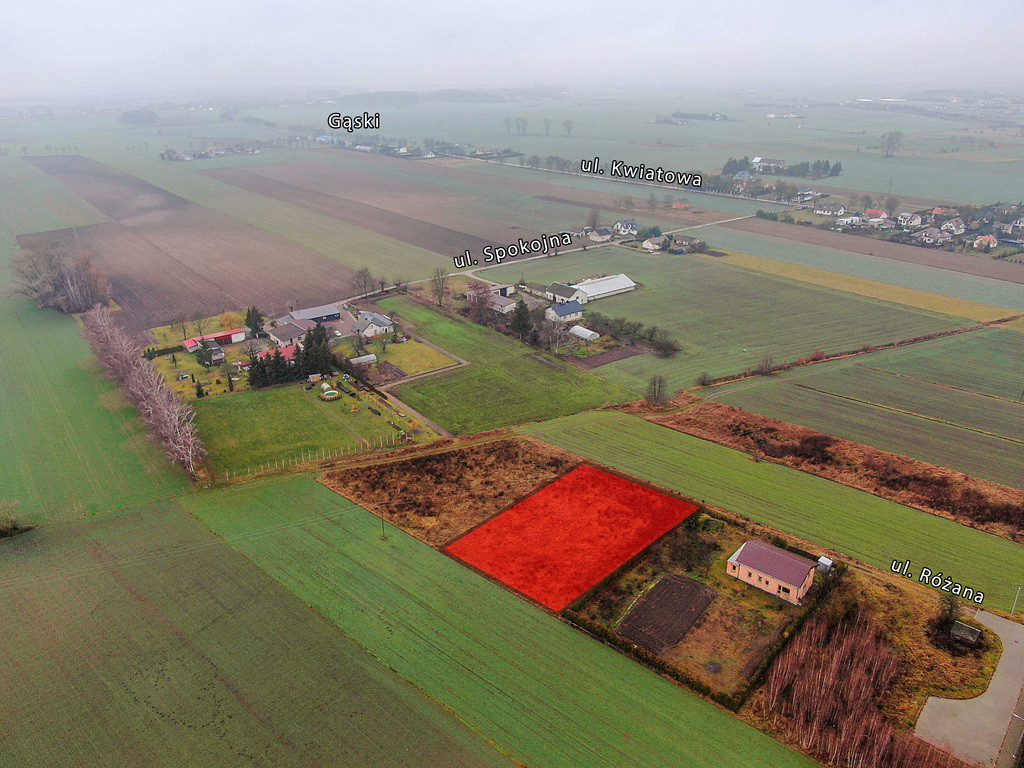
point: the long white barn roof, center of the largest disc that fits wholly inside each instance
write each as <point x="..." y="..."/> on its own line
<point x="601" y="286"/>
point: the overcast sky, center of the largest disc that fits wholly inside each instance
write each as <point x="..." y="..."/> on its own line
<point x="74" y="47"/>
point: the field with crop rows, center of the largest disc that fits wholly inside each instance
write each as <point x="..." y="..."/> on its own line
<point x="506" y="382"/>
<point x="142" y="639"/>
<point x="545" y="693"/>
<point x="727" y="318"/>
<point x="854" y="523"/>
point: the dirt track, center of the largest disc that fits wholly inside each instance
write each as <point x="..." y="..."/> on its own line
<point x="167" y="257"/>
<point x="966" y="263"/>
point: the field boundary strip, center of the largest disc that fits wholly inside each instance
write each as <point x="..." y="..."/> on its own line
<point x="945" y="385"/>
<point x="909" y="413"/>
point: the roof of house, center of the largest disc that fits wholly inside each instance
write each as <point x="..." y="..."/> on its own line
<point x="568" y="308"/>
<point x="657" y="240"/>
<point x="501" y="301"/>
<point x="287" y="332"/>
<point x="562" y="290"/>
<point x="831" y="207"/>
<point x="773" y="562"/>
<point x="603" y="231"/>
<point x="627" y="223"/>
<point x="288" y="353"/>
<point x="600" y="286"/>
<point x="534" y="287"/>
<point x="366" y="319"/>
<point x="875" y="213"/>
<point x="311" y="313"/>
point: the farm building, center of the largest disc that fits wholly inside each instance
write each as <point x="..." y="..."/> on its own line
<point x="560" y="293"/>
<point x="568" y="312"/>
<point x="322" y="314"/>
<point x="501" y="304"/>
<point x="363" y="360"/>
<point x="286" y="334"/>
<point x="602" y="235"/>
<point x="583" y="333"/>
<point x="221" y="337"/>
<point x="783" y="574"/>
<point x="600" y="287"/>
<point x="505" y="290"/>
<point x="370" y="324"/>
<point x="216" y="352"/>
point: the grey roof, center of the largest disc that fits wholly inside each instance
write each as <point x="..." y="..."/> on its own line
<point x="603" y="231"/>
<point x="685" y="239"/>
<point x="367" y="318"/>
<point x="501" y="301"/>
<point x="568" y="308"/>
<point x="774" y="562"/>
<point x="311" y="313"/>
<point x="287" y="332"/>
<point x="562" y="290"/>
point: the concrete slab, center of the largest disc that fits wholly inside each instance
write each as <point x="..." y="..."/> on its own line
<point x="974" y="729"/>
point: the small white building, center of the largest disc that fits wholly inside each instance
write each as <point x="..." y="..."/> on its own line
<point x="370" y="324"/>
<point x="583" y="333"/>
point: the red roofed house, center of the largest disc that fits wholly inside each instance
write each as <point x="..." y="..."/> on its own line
<point x="288" y="353"/>
<point x="945" y="212"/>
<point x="774" y="570"/>
<point x="221" y="337"/>
<point x="876" y="213"/>
<point x="985" y="241"/>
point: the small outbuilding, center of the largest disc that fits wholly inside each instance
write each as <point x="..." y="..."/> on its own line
<point x="364" y="360"/>
<point x="584" y="333"/>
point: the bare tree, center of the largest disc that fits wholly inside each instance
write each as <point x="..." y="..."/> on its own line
<point x="362" y="282"/>
<point x="479" y="296"/>
<point x="399" y="282"/>
<point x="59" y="277"/>
<point x="439" y="284"/>
<point x="891" y="143"/>
<point x="657" y="390"/>
<point x="567" y="126"/>
<point x="508" y="124"/>
<point x="593" y="216"/>
<point x="199" y="323"/>
<point x="547" y="127"/>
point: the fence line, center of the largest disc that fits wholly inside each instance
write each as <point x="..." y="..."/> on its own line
<point x="314" y="455"/>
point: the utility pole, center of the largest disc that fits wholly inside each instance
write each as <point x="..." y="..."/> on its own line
<point x="1015" y="602"/>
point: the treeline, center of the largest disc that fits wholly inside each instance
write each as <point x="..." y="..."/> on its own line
<point x="146" y="388"/>
<point x="315" y="357"/>
<point x="817" y="169"/>
<point x="822" y="690"/>
<point x="57" y="278"/>
<point x="632" y="332"/>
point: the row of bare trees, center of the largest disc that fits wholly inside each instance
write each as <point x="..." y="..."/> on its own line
<point x="58" y="278"/>
<point x="161" y="409"/>
<point x="822" y="690"/>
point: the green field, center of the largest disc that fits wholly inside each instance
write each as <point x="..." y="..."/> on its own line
<point x="142" y="639"/>
<point x="506" y="382"/>
<point x="545" y="693"/>
<point x="727" y="318"/>
<point x="71" y="444"/>
<point x="854" y="523"/>
<point x="246" y="429"/>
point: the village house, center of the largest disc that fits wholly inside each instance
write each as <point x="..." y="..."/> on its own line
<point x="985" y="242"/>
<point x="503" y="305"/>
<point x="626" y="227"/>
<point x="909" y="219"/>
<point x="288" y="353"/>
<point x="370" y="324"/>
<point x="767" y="165"/>
<point x="830" y="209"/>
<point x="286" y="334"/>
<point x="850" y="221"/>
<point x="954" y="226"/>
<point x="602" y="235"/>
<point x="569" y="312"/>
<point x="655" y="243"/>
<point x="560" y="293"/>
<point x="932" y="236"/>
<point x="685" y="244"/>
<point x="776" y="571"/>
<point x="941" y="212"/>
<point x="875" y="213"/>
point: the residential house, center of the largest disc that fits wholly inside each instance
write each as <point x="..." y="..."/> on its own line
<point x="909" y="219"/>
<point x="655" y="243"/>
<point x="560" y="293"/>
<point x="503" y="305"/>
<point x="932" y="236"/>
<point x="600" y="287"/>
<point x="985" y="242"/>
<point x="370" y="324"/>
<point x="830" y="209"/>
<point x="569" y="312"/>
<point x="602" y="235"/>
<point x="767" y="165"/>
<point x="743" y="176"/>
<point x="537" y="289"/>
<point x="850" y="221"/>
<point x="288" y="333"/>
<point x="945" y="212"/>
<point x="685" y="244"/>
<point x="954" y="226"/>
<point x="875" y="213"/>
<point x="777" y="571"/>
<point x="288" y="353"/>
<point x="626" y="227"/>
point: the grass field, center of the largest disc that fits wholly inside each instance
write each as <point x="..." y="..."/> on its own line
<point x="71" y="444"/>
<point x="142" y="639"/>
<point x="246" y="429"/>
<point x="727" y="318"/>
<point x="852" y="522"/>
<point x="506" y="382"/>
<point x="953" y="402"/>
<point x="556" y="544"/>
<point x="545" y="693"/>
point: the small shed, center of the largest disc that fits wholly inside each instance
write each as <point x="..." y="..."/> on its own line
<point x="965" y="633"/>
<point x="583" y="333"/>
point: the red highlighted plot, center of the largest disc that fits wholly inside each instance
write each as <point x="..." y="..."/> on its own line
<point x="565" y="538"/>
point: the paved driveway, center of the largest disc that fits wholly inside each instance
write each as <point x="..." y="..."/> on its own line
<point x="974" y="729"/>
